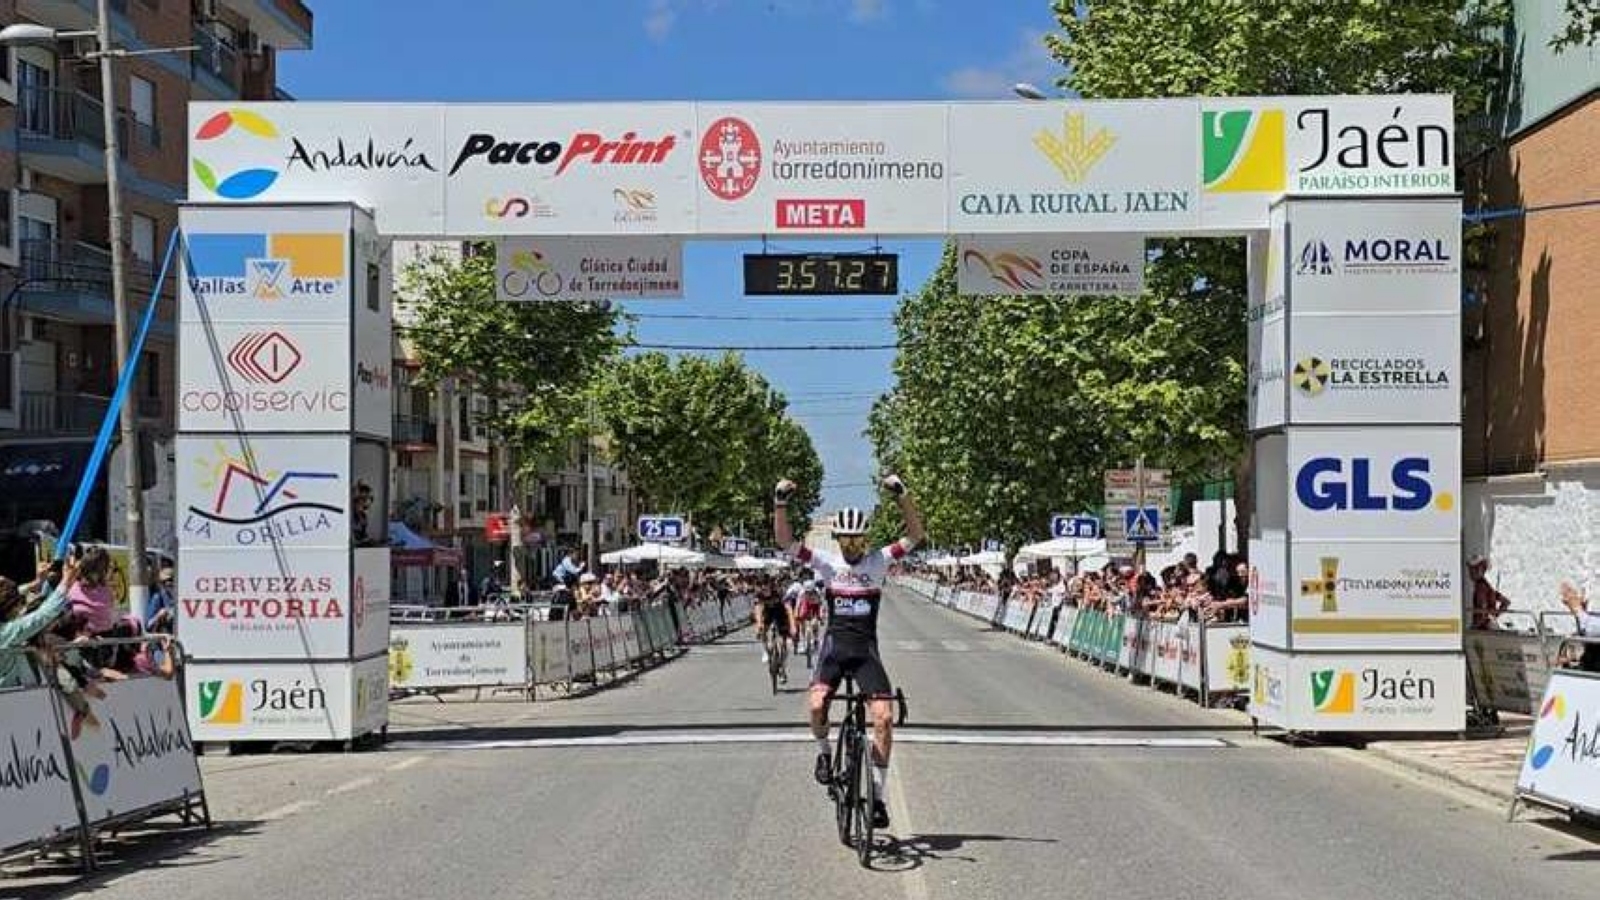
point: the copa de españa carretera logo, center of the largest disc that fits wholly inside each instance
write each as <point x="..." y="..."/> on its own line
<point x="266" y="266"/>
<point x="221" y="702"/>
<point x="1014" y="270"/>
<point x="1243" y="150"/>
<point x="1074" y="151"/>
<point x="1333" y="692"/>
<point x="235" y="124"/>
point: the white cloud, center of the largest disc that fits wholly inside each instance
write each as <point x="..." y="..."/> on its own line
<point x="868" y="10"/>
<point x="659" y="21"/>
<point x="1028" y="61"/>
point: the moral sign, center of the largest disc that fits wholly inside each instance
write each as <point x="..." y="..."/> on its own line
<point x="662" y="528"/>
<point x="1084" y="527"/>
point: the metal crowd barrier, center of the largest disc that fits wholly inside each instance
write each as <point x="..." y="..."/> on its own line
<point x="436" y="656"/>
<point x="67" y="777"/>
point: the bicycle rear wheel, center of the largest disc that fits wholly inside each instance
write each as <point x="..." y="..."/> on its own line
<point x="774" y="661"/>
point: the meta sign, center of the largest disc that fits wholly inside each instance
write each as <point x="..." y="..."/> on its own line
<point x="662" y="529"/>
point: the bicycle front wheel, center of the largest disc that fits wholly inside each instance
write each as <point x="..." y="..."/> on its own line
<point x="846" y="761"/>
<point x="867" y="795"/>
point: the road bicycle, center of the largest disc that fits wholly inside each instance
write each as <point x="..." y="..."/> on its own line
<point x="811" y="636"/>
<point x="851" y="787"/>
<point x="777" y="655"/>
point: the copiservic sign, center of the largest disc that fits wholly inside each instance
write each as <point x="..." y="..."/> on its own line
<point x="467" y="170"/>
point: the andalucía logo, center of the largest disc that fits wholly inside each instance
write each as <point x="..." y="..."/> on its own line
<point x="265" y="266"/>
<point x="244" y="183"/>
<point x="252" y="507"/>
<point x="1554" y="708"/>
<point x="1243" y="150"/>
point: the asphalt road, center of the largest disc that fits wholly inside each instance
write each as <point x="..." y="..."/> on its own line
<point x="1029" y="775"/>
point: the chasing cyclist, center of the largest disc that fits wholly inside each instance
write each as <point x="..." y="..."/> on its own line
<point x="773" y="614"/>
<point x="808" y="614"/>
<point x="850" y="647"/>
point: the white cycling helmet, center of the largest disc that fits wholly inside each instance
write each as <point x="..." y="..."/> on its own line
<point x="849" y="522"/>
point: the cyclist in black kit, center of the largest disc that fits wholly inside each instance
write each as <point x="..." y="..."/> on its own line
<point x="854" y="581"/>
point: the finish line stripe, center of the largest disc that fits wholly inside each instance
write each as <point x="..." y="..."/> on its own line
<point x="799" y="737"/>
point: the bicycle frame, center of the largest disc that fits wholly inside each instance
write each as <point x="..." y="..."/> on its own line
<point x="852" y="786"/>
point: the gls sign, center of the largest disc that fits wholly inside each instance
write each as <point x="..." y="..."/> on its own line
<point x="1393" y="483"/>
<point x="1330" y="483"/>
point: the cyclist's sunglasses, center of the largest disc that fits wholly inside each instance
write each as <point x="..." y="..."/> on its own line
<point x="852" y="542"/>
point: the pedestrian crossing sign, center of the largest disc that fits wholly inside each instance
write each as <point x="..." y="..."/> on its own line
<point x="1142" y="523"/>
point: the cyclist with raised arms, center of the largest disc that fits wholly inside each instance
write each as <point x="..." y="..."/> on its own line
<point x="850" y="646"/>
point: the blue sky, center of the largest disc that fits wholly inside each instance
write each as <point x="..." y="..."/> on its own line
<point x="618" y="50"/>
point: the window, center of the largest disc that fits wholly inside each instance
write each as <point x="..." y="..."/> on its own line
<point x="5" y="64"/>
<point x="151" y="363"/>
<point x="374" y="301"/>
<point x="38" y="247"/>
<point x="7" y="241"/>
<point x="35" y="100"/>
<point x="142" y="239"/>
<point x="142" y="99"/>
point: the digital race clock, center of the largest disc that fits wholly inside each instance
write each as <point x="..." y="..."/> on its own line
<point x="822" y="274"/>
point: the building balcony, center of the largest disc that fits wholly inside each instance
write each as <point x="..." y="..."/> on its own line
<point x="57" y="414"/>
<point x="215" y="65"/>
<point x="71" y="281"/>
<point x="415" y="431"/>
<point x="285" y="24"/>
<point x="62" y="133"/>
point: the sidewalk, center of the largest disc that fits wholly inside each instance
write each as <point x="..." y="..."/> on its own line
<point x="1486" y="765"/>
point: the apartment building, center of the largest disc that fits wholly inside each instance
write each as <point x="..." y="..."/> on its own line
<point x="450" y="480"/>
<point x="57" y="356"/>
<point x="1531" y="431"/>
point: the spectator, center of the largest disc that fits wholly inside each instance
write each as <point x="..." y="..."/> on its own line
<point x="94" y="607"/>
<point x="19" y="624"/>
<point x="1577" y="602"/>
<point x="1487" y="602"/>
<point x="567" y="571"/>
<point x="159" y="616"/>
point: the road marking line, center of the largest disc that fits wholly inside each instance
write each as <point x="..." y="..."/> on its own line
<point x="354" y="785"/>
<point x="287" y="810"/>
<point x="955" y="646"/>
<point x="914" y="882"/>
<point x="405" y="764"/>
<point x="908" y="646"/>
<point x="991" y="739"/>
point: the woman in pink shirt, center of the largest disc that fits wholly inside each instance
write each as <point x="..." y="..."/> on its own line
<point x="94" y="607"/>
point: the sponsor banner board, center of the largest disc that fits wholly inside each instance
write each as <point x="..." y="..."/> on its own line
<point x="1375" y="256"/>
<point x="369" y="700"/>
<point x="238" y="701"/>
<point x="387" y="157"/>
<point x="1267" y="334"/>
<point x="268" y="266"/>
<point x="260" y="604"/>
<point x="783" y="168"/>
<point x="1562" y="764"/>
<point x="559" y="169"/>
<point x="1074" y="166"/>
<point x="1376" y="595"/>
<point x="429" y="170"/>
<point x="239" y="492"/>
<point x="35" y="777"/>
<point x="1510" y="668"/>
<point x="1269" y="684"/>
<point x="141" y="756"/>
<point x="1396" y="484"/>
<point x="1050" y="265"/>
<point x="373" y="315"/>
<point x="254" y="376"/>
<point x="1269" y="592"/>
<point x="585" y="268"/>
<point x="1255" y="149"/>
<point x="1330" y="692"/>
<point x="1353" y="369"/>
<point x="370" y="598"/>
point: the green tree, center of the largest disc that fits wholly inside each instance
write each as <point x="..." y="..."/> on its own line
<point x="1581" y="28"/>
<point x="535" y="360"/>
<point x="708" y="438"/>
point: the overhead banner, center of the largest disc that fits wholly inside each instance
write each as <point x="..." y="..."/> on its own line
<point x="592" y="269"/>
<point x="1074" y="166"/>
<point x="478" y="170"/>
<point x="1562" y="764"/>
<point x="796" y="168"/>
<point x="1048" y="265"/>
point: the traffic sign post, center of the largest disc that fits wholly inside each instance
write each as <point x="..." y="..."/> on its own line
<point x="662" y="529"/>
<point x="1078" y="527"/>
<point x="1137" y="488"/>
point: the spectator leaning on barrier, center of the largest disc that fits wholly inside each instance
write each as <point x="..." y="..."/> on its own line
<point x="19" y="624"/>
<point x="1577" y="602"/>
<point x="1487" y="602"/>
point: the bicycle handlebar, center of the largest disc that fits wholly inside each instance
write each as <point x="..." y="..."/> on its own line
<point x="904" y="709"/>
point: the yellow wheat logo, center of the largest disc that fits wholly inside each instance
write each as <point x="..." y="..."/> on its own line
<point x="1074" y="152"/>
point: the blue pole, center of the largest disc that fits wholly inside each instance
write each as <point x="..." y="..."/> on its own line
<point x="108" y="424"/>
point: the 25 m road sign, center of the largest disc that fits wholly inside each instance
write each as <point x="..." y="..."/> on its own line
<point x="662" y="529"/>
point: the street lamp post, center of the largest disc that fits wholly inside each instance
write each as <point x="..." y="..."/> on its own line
<point x="27" y="34"/>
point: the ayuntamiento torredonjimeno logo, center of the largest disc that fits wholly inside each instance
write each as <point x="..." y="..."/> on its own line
<point x="230" y="125"/>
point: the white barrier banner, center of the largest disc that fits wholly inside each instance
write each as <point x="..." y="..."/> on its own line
<point x="469" y="655"/>
<point x="580" y="650"/>
<point x="1511" y="668"/>
<point x="141" y="756"/>
<point x="549" y="652"/>
<point x="1050" y="265"/>
<point x="35" y="786"/>
<point x="1064" y="623"/>
<point x="1563" y="759"/>
<point x="589" y="268"/>
<point x="1227" y="649"/>
<point x="600" y="638"/>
